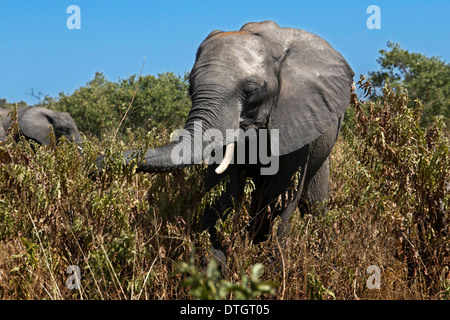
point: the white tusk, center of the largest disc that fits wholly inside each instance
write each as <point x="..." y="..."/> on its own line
<point x="175" y="135"/>
<point x="227" y="159"/>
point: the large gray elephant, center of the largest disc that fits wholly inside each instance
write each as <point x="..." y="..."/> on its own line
<point x="35" y="124"/>
<point x="286" y="84"/>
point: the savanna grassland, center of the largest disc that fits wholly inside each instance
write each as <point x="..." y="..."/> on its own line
<point x="136" y="236"/>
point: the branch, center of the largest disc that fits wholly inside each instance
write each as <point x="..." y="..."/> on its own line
<point x="131" y="102"/>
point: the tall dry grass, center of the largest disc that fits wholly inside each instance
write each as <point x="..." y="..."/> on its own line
<point x="130" y="233"/>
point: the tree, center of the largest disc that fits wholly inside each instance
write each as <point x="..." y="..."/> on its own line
<point x="425" y="78"/>
<point x="92" y="107"/>
<point x="7" y="105"/>
<point x="98" y="107"/>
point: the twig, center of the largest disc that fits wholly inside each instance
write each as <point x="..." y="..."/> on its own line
<point x="36" y="96"/>
<point x="354" y="285"/>
<point x="146" y="278"/>
<point x="109" y="264"/>
<point x="131" y="102"/>
<point x="284" y="267"/>
<point x="90" y="269"/>
<point x="45" y="256"/>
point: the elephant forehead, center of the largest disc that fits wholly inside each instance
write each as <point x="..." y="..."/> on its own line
<point x="240" y="49"/>
<point x="65" y="116"/>
<point x="229" y="33"/>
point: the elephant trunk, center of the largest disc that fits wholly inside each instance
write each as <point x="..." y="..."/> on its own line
<point x="176" y="155"/>
<point x="204" y="132"/>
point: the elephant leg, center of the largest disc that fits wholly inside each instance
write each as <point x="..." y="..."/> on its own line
<point x="317" y="182"/>
<point x="278" y="196"/>
<point x="228" y="199"/>
<point x="316" y="190"/>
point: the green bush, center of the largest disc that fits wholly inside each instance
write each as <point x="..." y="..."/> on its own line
<point x="132" y="234"/>
<point x="424" y="78"/>
<point x="208" y="285"/>
<point x="407" y="176"/>
<point x="98" y="108"/>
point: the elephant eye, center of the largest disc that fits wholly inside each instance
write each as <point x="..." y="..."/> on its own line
<point x="249" y="91"/>
<point x="248" y="94"/>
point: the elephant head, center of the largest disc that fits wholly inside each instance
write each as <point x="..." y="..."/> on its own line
<point x="35" y="123"/>
<point x="262" y="76"/>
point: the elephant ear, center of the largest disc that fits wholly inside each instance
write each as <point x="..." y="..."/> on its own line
<point x="36" y="124"/>
<point x="314" y="91"/>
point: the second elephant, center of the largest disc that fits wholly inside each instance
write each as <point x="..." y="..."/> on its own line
<point x="35" y="124"/>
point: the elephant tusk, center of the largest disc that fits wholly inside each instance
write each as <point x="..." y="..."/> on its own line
<point x="227" y="159"/>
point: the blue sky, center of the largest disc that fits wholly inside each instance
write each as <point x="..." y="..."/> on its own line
<point x="38" y="51"/>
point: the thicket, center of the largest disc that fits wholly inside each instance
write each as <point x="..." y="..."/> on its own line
<point x="425" y="78"/>
<point x="136" y="236"/>
<point x="133" y="235"/>
<point x="160" y="102"/>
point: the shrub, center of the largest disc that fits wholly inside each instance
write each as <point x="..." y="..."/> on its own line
<point x="407" y="178"/>
<point x="132" y="235"/>
<point x="160" y="102"/>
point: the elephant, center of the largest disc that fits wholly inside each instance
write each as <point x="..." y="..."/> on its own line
<point x="2" y="133"/>
<point x="35" y="124"/>
<point x="287" y="85"/>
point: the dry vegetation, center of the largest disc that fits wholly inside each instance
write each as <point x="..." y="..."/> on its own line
<point x="133" y="235"/>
